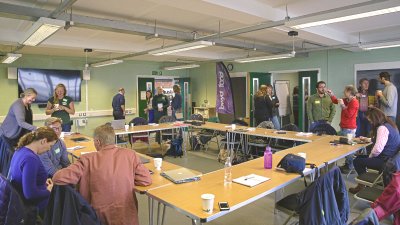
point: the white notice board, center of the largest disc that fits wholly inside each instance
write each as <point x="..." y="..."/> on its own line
<point x="283" y="94"/>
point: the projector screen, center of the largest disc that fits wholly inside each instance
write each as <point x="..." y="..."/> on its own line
<point x="45" y="80"/>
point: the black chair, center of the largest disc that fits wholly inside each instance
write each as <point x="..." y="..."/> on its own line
<point x="260" y="142"/>
<point x="167" y="133"/>
<point x="144" y="137"/>
<point x="282" y="144"/>
<point x="237" y="139"/>
<point x="324" y="128"/>
<point x="6" y="153"/>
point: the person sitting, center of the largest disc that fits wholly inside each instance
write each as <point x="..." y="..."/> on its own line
<point x="57" y="157"/>
<point x="107" y="178"/>
<point x="387" y="143"/>
<point x="27" y="173"/>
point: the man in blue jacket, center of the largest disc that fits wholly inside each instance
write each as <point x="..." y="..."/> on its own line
<point x="57" y="157"/>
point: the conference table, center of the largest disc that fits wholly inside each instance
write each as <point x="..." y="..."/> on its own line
<point x="185" y="198"/>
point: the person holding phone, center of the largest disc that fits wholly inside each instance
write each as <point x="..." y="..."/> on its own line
<point x="61" y="106"/>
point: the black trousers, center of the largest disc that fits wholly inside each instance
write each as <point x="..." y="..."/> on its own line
<point x="362" y="162"/>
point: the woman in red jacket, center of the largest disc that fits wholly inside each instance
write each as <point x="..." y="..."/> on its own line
<point x="348" y="118"/>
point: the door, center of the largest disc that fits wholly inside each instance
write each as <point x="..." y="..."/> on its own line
<point x="144" y="84"/>
<point x="256" y="80"/>
<point x="307" y="82"/>
<point x="184" y="83"/>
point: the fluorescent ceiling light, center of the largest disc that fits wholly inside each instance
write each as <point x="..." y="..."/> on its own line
<point x="41" y="30"/>
<point x="180" y="67"/>
<point x="181" y="48"/>
<point x="107" y="63"/>
<point x="265" y="58"/>
<point x="346" y="14"/>
<point x="391" y="44"/>
<point x="10" y="57"/>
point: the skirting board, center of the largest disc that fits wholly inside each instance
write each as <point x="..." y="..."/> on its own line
<point x="81" y="114"/>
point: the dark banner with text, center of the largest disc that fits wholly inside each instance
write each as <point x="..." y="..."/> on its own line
<point x="225" y="102"/>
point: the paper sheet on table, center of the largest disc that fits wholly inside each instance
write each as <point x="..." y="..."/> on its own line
<point x="75" y="147"/>
<point x="251" y="180"/>
<point x="303" y="134"/>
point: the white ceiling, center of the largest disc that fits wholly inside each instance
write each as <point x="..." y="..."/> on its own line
<point x="203" y="16"/>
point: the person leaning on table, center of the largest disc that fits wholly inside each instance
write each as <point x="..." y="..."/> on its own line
<point x="57" y="157"/>
<point x="386" y="137"/>
<point x="107" y="178"/>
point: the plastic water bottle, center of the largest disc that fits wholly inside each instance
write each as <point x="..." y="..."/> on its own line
<point x="268" y="158"/>
<point x="228" y="171"/>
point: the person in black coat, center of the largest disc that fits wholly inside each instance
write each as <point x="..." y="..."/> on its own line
<point x="262" y="106"/>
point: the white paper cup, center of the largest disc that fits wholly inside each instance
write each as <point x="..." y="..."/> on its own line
<point x="349" y="137"/>
<point x="132" y="125"/>
<point x="56" y="106"/>
<point x="158" y="163"/>
<point x="233" y="126"/>
<point x="126" y="127"/>
<point x="302" y="154"/>
<point x="207" y="202"/>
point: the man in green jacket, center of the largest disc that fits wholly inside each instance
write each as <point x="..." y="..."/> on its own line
<point x="320" y="108"/>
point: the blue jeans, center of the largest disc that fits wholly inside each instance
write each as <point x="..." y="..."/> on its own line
<point x="349" y="158"/>
<point x="66" y="127"/>
<point x="275" y="121"/>
<point x="363" y="126"/>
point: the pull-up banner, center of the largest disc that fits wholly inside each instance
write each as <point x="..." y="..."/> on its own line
<point x="224" y="98"/>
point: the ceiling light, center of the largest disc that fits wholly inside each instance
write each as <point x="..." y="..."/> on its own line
<point x="107" y="63"/>
<point x="41" y="30"/>
<point x="180" y="67"/>
<point x="391" y="44"/>
<point x="181" y="48"/>
<point x="10" y="57"/>
<point x="265" y="58"/>
<point x="346" y="14"/>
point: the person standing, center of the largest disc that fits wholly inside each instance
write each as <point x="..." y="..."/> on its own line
<point x="320" y="108"/>
<point x="118" y="105"/>
<point x="19" y="118"/>
<point x="386" y="139"/>
<point x="348" y="125"/>
<point x="27" y="173"/>
<point x="176" y="103"/>
<point x="149" y="108"/>
<point x="262" y="106"/>
<point x="61" y="106"/>
<point x="388" y="98"/>
<point x="363" y="126"/>
<point x="275" y="107"/>
<point x="295" y="97"/>
<point x="160" y="104"/>
<point x="57" y="157"/>
<point x="107" y="179"/>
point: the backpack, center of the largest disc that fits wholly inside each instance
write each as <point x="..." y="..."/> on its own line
<point x="176" y="148"/>
<point x="292" y="163"/>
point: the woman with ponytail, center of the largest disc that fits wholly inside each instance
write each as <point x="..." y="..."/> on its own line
<point x="27" y="173"/>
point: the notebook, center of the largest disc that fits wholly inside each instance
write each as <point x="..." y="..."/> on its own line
<point x="118" y="124"/>
<point x="251" y="180"/>
<point x="181" y="175"/>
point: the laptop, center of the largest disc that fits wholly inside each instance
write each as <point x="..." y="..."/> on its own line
<point x="181" y="175"/>
<point x="118" y="124"/>
<point x="144" y="160"/>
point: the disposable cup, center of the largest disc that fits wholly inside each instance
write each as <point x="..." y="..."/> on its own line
<point x="158" y="163"/>
<point x="207" y="202"/>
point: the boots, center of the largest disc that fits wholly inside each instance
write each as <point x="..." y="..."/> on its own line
<point x="356" y="189"/>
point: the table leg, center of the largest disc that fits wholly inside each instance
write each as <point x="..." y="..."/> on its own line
<point x="158" y="213"/>
<point x="148" y="142"/>
<point x="196" y="222"/>
<point x="163" y="215"/>
<point x="151" y="210"/>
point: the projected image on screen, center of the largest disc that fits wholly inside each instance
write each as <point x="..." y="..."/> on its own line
<point x="44" y="81"/>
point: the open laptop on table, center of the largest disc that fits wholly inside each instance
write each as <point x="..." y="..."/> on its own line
<point x="181" y="175"/>
<point x="118" y="124"/>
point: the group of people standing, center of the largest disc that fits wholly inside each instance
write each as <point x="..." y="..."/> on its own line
<point x="363" y="114"/>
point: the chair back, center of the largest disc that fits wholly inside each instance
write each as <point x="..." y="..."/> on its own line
<point x="198" y="117"/>
<point x="138" y="121"/>
<point x="290" y="127"/>
<point x="167" y="119"/>
<point x="324" y="128"/>
<point x="6" y="153"/>
<point x="266" y="125"/>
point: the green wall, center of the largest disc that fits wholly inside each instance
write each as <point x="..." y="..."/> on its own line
<point x="336" y="68"/>
<point x="102" y="86"/>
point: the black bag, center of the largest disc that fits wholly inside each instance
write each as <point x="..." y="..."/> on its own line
<point x="176" y="148"/>
<point x="292" y="163"/>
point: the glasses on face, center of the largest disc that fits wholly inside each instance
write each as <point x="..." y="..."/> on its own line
<point x="55" y="128"/>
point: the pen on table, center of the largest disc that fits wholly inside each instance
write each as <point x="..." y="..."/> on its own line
<point x="248" y="178"/>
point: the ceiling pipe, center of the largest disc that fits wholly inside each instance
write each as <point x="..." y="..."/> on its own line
<point x="66" y="4"/>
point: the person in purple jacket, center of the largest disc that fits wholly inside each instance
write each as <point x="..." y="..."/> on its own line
<point x="57" y="157"/>
<point x="27" y="173"/>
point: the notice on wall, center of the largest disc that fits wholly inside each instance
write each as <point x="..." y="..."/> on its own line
<point x="143" y="95"/>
